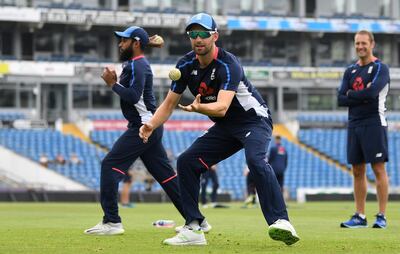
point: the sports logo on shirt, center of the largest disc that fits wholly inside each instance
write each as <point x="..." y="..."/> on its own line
<point x="358" y="84"/>
<point x="212" y="77"/>
<point x="204" y="90"/>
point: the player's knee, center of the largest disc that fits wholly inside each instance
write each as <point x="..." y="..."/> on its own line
<point x="379" y="169"/>
<point x="184" y="163"/>
<point x="255" y="163"/>
<point x="106" y="166"/>
<point x="359" y="170"/>
<point x="105" y="162"/>
<point x="187" y="164"/>
<point x="358" y="173"/>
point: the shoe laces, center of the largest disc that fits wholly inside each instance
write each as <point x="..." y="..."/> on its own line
<point x="187" y="227"/>
<point x="106" y="226"/>
<point x="356" y="217"/>
<point x="100" y="226"/>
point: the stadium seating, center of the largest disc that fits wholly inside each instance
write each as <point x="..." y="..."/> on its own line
<point x="105" y="116"/>
<point x="304" y="169"/>
<point x="335" y="118"/>
<point x="11" y="116"/>
<point x="332" y="142"/>
<point x="118" y="116"/>
<point x="230" y="171"/>
<point x="33" y="143"/>
<point x="307" y="170"/>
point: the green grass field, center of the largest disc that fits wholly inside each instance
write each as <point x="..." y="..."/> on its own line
<point x="57" y="228"/>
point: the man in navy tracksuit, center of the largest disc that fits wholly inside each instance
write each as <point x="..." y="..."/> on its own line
<point x="278" y="159"/>
<point x="135" y="88"/>
<point x="209" y="175"/>
<point x="363" y="90"/>
<point x="242" y="120"/>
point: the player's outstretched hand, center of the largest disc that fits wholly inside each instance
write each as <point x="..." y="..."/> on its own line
<point x="145" y="132"/>
<point x="194" y="107"/>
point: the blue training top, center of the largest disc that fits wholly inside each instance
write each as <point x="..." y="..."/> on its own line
<point x="223" y="73"/>
<point x="135" y="88"/>
<point x="278" y="158"/>
<point x="366" y="103"/>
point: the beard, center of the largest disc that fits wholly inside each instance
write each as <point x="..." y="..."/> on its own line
<point x="201" y="52"/>
<point x="126" y="54"/>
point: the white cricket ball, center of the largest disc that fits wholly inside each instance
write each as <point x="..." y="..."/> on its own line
<point x="174" y="74"/>
<point x="158" y="40"/>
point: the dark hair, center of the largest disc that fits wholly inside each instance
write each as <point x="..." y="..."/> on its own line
<point x="278" y="137"/>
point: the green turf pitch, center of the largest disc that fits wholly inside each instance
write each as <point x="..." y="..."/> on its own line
<point x="57" y="228"/>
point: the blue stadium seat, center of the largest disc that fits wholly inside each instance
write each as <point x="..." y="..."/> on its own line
<point x="33" y="143"/>
<point x="332" y="143"/>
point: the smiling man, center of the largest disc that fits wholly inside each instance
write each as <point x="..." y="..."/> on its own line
<point x="242" y="120"/>
<point x="363" y="90"/>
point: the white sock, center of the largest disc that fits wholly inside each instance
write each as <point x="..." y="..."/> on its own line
<point x="362" y="216"/>
<point x="195" y="225"/>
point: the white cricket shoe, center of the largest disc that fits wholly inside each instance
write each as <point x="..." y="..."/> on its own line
<point x="108" y="228"/>
<point x="187" y="236"/>
<point x="282" y="230"/>
<point x="205" y="227"/>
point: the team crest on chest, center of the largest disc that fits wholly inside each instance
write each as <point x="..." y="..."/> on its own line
<point x="358" y="84"/>
<point x="205" y="90"/>
<point x="212" y="77"/>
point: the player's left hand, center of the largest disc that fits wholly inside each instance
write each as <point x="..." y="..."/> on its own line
<point x="194" y="107"/>
<point x="145" y="131"/>
<point x="109" y="76"/>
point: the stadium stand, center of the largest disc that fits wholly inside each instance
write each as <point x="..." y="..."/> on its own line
<point x="322" y="133"/>
<point x="332" y="143"/>
<point x="33" y="143"/>
<point x="305" y="169"/>
<point x="118" y="116"/>
<point x="11" y="116"/>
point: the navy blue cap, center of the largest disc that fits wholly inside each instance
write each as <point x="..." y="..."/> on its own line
<point x="134" y="32"/>
<point x="204" y="20"/>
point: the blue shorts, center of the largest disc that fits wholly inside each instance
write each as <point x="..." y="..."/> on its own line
<point x="367" y="144"/>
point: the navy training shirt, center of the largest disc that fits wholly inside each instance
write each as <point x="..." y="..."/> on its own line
<point x="278" y="158"/>
<point x="223" y="73"/>
<point x="135" y="88"/>
<point x="366" y="104"/>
